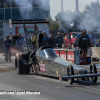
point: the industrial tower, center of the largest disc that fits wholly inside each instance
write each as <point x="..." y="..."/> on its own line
<point x="62" y="14"/>
<point x="97" y="1"/>
<point x="77" y="7"/>
<point x="76" y="23"/>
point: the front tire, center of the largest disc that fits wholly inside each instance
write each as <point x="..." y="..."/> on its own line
<point x="70" y="71"/>
<point x="93" y="70"/>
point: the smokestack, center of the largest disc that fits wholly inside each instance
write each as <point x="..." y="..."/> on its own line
<point x="97" y="1"/>
<point x="77" y="7"/>
<point x="62" y="13"/>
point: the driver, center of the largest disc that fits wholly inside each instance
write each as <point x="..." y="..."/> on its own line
<point x="84" y="42"/>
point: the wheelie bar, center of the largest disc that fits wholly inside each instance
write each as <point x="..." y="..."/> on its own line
<point x="80" y="76"/>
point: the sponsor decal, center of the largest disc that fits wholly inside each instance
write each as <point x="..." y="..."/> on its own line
<point x="84" y="38"/>
<point x="63" y="54"/>
<point x="42" y="66"/>
<point x="70" y="56"/>
<point x="21" y="30"/>
<point x="57" y="53"/>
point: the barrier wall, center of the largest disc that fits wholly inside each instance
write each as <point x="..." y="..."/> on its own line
<point x="71" y="55"/>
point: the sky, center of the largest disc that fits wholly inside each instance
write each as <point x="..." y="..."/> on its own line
<point x="55" y="6"/>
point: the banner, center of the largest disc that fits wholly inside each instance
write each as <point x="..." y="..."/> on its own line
<point x="20" y="29"/>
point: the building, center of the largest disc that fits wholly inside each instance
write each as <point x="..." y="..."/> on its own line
<point x="22" y="10"/>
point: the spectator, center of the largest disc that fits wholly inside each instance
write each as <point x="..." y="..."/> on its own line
<point x="20" y="43"/>
<point x="45" y="39"/>
<point x="14" y="44"/>
<point x="80" y="35"/>
<point x="90" y="36"/>
<point x="33" y="39"/>
<point x="12" y="39"/>
<point x="84" y="42"/>
<point x="98" y="43"/>
<point x="52" y="42"/>
<point x="59" y="40"/>
<point x="7" y="46"/>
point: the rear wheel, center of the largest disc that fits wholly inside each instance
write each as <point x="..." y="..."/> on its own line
<point x="93" y="70"/>
<point x="20" y="67"/>
<point x="70" y="71"/>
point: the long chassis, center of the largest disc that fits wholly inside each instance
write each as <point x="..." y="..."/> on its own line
<point x="59" y="65"/>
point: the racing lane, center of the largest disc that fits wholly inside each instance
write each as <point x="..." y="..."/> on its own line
<point x="50" y="88"/>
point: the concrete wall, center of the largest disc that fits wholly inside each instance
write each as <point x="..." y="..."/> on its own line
<point x="7" y="29"/>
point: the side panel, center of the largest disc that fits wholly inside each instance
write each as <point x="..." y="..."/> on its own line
<point x="53" y="68"/>
<point x="48" y="67"/>
<point x="41" y="63"/>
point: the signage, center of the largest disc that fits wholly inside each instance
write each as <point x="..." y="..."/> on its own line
<point x="70" y="56"/>
<point x="20" y="29"/>
<point x="63" y="54"/>
<point x="10" y="23"/>
<point x="57" y="53"/>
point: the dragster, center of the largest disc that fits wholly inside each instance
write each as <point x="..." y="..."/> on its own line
<point x="45" y="61"/>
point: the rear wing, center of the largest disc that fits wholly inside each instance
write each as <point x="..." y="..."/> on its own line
<point x="35" y="21"/>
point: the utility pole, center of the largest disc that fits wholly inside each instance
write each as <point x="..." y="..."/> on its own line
<point x="77" y="13"/>
<point x="62" y="14"/>
<point x="98" y="1"/>
<point x="77" y="7"/>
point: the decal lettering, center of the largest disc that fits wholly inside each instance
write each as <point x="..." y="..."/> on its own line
<point x="57" y="53"/>
<point x="70" y="56"/>
<point x="63" y="54"/>
<point x="42" y="66"/>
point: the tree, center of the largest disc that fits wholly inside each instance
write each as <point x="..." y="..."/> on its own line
<point x="54" y="25"/>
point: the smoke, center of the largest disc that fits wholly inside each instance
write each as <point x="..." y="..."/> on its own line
<point x="43" y="4"/>
<point x="89" y="19"/>
<point x="24" y="7"/>
<point x="32" y="9"/>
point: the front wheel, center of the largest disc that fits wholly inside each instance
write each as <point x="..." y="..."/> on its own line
<point x="70" y="71"/>
<point x="93" y="70"/>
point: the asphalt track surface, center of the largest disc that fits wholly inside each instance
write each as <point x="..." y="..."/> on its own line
<point x="50" y="88"/>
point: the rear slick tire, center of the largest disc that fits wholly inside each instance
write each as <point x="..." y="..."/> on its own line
<point x="20" y="67"/>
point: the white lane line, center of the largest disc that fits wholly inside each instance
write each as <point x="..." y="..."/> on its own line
<point x="2" y="66"/>
<point x="95" y="89"/>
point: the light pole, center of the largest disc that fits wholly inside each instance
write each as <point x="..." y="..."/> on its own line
<point x="62" y="13"/>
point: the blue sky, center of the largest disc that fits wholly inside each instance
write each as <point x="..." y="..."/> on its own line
<point x="55" y="5"/>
